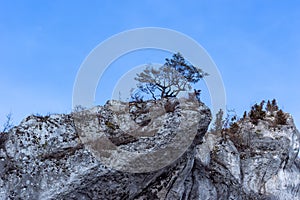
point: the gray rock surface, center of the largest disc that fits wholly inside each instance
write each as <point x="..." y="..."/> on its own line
<point x="47" y="157"/>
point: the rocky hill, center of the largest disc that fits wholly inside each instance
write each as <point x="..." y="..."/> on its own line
<point x="148" y="150"/>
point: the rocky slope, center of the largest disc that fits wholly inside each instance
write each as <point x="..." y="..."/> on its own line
<point x="152" y="150"/>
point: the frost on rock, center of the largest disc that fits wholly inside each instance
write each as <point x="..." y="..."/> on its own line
<point x="65" y="156"/>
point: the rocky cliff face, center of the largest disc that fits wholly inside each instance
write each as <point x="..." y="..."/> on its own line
<point x="103" y="153"/>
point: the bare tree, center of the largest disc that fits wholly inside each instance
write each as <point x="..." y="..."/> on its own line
<point x="170" y="79"/>
<point x="165" y="80"/>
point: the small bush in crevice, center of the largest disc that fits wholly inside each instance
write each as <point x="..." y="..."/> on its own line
<point x="3" y="138"/>
<point x="138" y="108"/>
<point x="111" y="125"/>
<point x="257" y="113"/>
<point x="272" y="106"/>
<point x="170" y="106"/>
<point x="234" y="127"/>
<point x="280" y="118"/>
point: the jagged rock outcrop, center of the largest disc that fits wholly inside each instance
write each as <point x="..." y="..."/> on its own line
<point x="61" y="156"/>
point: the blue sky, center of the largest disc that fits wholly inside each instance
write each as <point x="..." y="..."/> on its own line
<point x="255" y="44"/>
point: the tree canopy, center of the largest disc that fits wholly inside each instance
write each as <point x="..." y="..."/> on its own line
<point x="191" y="73"/>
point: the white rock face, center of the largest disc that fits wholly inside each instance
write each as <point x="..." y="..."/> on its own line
<point x="54" y="157"/>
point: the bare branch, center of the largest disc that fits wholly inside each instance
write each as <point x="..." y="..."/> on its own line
<point x="8" y="123"/>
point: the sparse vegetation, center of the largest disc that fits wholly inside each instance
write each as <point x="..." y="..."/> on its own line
<point x="111" y="125"/>
<point x="271" y="106"/>
<point x="281" y="118"/>
<point x="8" y="123"/>
<point x="78" y="108"/>
<point x="257" y="113"/>
<point x="3" y="138"/>
<point x="222" y="126"/>
<point x="244" y="115"/>
<point x="139" y="112"/>
<point x="230" y="125"/>
<point x="218" y="123"/>
<point x="234" y="127"/>
<point x="170" y="106"/>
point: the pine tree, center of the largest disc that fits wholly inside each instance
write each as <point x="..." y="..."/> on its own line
<point x="274" y="105"/>
<point x="257" y="113"/>
<point x="281" y="118"/>
<point x="269" y="106"/>
<point x="245" y="115"/>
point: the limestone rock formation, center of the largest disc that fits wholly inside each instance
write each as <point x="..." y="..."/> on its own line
<point x="62" y="157"/>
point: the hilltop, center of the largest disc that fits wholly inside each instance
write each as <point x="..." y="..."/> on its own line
<point x="103" y="153"/>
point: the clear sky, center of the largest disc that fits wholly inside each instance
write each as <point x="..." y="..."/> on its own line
<point x="255" y="44"/>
